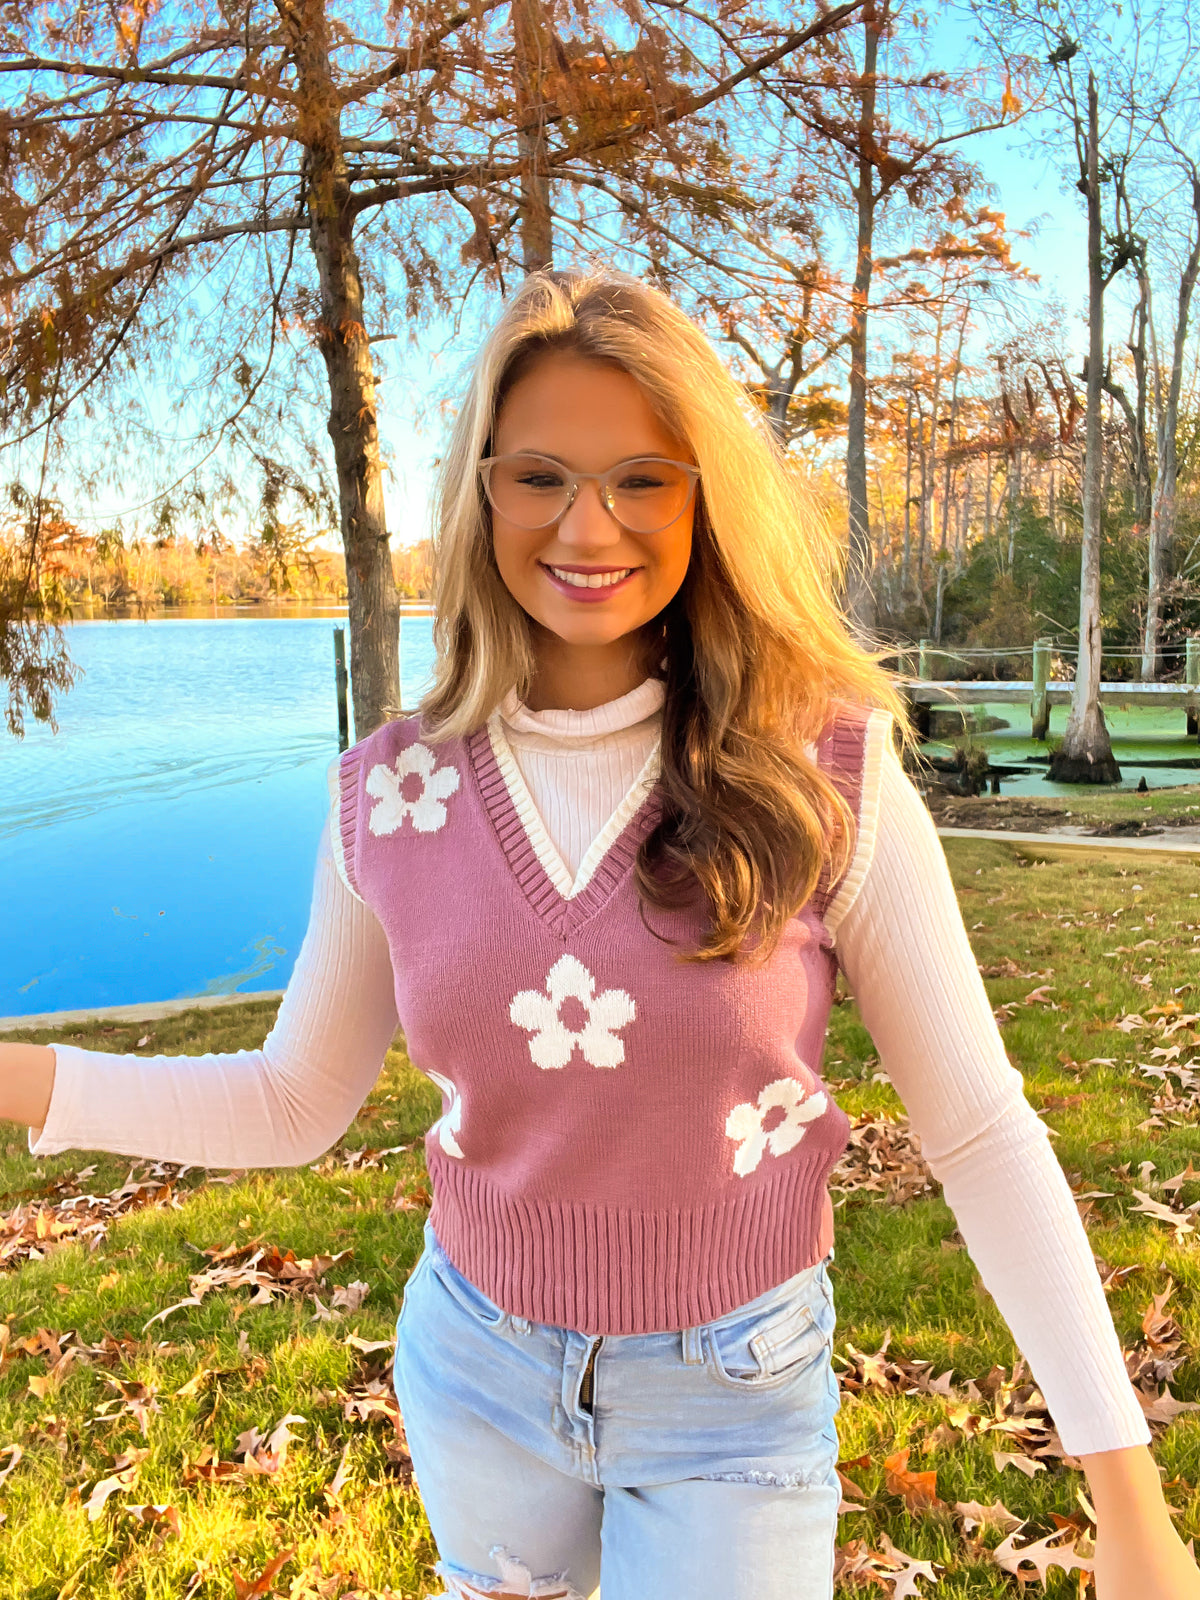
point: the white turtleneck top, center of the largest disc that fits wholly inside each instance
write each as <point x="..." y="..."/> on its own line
<point x="906" y="956"/>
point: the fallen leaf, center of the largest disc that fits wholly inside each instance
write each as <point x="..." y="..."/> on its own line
<point x="918" y="1490"/>
<point x="351" y="1297"/>
<point x="14" y="1452"/>
<point x="333" y="1489"/>
<point x="154" y="1516"/>
<point x="996" y="1515"/>
<point x="910" y="1569"/>
<point x="161" y="1316"/>
<point x="369" y="1346"/>
<point x="105" y="1489"/>
<point x="253" y="1589"/>
<point x="1042" y="1554"/>
<point x="1025" y="1464"/>
<point x="1178" y="1220"/>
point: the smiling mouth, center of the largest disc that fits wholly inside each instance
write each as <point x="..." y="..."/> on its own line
<point x="594" y="578"/>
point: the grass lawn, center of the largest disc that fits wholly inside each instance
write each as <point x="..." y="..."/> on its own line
<point x="182" y="1418"/>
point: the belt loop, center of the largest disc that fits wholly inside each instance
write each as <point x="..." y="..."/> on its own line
<point x="693" y="1348"/>
<point x="520" y="1324"/>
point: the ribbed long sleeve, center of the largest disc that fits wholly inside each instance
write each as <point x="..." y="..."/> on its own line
<point x="280" y="1106"/>
<point x="907" y="958"/>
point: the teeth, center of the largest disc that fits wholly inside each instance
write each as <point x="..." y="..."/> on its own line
<point x="591" y="580"/>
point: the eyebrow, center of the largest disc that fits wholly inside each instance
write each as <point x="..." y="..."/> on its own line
<point x="548" y="455"/>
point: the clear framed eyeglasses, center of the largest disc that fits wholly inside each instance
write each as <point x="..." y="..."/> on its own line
<point x="644" y="494"/>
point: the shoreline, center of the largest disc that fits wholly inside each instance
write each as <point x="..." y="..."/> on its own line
<point x="147" y="1011"/>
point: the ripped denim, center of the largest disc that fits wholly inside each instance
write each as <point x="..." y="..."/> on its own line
<point x="696" y="1465"/>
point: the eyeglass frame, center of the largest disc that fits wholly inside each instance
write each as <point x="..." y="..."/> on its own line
<point x="599" y="478"/>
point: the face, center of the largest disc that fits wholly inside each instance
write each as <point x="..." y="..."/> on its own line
<point x="588" y="417"/>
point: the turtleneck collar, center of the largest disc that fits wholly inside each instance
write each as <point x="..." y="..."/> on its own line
<point x="563" y="726"/>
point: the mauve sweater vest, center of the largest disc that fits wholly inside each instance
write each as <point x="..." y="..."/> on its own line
<point x="629" y="1143"/>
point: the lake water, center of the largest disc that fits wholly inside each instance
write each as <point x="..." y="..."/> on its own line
<point x="161" y="844"/>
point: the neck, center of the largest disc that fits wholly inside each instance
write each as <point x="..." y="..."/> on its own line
<point x="573" y="677"/>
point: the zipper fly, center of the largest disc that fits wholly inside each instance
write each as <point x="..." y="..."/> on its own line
<point x="587" y="1384"/>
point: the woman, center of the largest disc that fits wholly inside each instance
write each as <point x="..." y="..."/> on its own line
<point x="605" y="879"/>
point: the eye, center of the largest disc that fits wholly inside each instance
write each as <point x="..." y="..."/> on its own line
<point x="539" y="480"/>
<point x="535" y="473"/>
<point x="641" y="478"/>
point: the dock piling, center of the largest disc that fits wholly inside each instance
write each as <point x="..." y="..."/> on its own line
<point x="1039" y="705"/>
<point x="343" y="681"/>
<point x="1191" y="675"/>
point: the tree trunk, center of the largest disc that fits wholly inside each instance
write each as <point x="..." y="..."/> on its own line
<point x="951" y="432"/>
<point x="922" y="498"/>
<point x="1085" y="755"/>
<point x="906" y="558"/>
<point x="373" y="601"/>
<point x="1012" y="489"/>
<point x="859" y="601"/>
<point x="1162" y="509"/>
<point x="529" y="42"/>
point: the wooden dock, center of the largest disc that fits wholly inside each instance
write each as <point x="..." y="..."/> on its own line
<point x="1041" y="692"/>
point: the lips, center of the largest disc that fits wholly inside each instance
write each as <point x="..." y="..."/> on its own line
<point x="588" y="584"/>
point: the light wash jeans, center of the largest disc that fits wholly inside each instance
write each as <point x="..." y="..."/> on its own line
<point x="703" y="1468"/>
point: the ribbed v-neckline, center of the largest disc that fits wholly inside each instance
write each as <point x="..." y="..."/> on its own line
<point x="527" y="844"/>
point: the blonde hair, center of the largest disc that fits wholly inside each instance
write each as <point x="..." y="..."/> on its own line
<point x="756" y="647"/>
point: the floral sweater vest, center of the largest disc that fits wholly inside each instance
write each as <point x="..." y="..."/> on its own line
<point x="629" y="1143"/>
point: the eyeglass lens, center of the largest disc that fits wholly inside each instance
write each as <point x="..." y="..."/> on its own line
<point x="645" y="495"/>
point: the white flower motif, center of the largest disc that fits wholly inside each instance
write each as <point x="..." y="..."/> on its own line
<point x="450" y="1123"/>
<point x="553" y="1042"/>
<point x="745" y="1123"/>
<point x="386" y="784"/>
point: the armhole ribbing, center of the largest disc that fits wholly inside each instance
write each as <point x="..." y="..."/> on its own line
<point x="876" y="734"/>
<point x="335" y="825"/>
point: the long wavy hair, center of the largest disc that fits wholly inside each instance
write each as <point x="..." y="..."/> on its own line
<point x="756" y="649"/>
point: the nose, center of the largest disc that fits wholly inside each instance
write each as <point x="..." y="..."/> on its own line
<point x="587" y="524"/>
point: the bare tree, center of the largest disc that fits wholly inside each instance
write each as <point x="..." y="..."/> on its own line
<point x="220" y="185"/>
<point x="1168" y="386"/>
<point x="882" y="131"/>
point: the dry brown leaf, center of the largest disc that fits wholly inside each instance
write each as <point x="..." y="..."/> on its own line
<point x="14" y="1453"/>
<point x="155" y="1516"/>
<point x="1025" y="1464"/>
<point x="351" y="1296"/>
<point x="369" y="1346"/>
<point x="1052" y="1551"/>
<point x="126" y="1466"/>
<point x="265" y="1456"/>
<point x="1178" y="1220"/>
<point x="333" y="1489"/>
<point x="857" y="1562"/>
<point x="997" y="1515"/>
<point x="1164" y="1407"/>
<point x="254" y="1588"/>
<point x="65" y="1214"/>
<point x="909" y="1570"/>
<point x="883" y="1156"/>
<point x="918" y="1490"/>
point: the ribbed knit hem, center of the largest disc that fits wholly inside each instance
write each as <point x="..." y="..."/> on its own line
<point x="604" y="1270"/>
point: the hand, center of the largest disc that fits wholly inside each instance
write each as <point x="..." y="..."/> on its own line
<point x="1138" y="1551"/>
<point x="1149" y="1561"/>
<point x="26" y="1082"/>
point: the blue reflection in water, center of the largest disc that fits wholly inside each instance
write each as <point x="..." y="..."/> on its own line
<point x="162" y="843"/>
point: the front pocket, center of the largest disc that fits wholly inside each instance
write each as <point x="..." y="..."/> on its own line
<point x="464" y="1293"/>
<point x="765" y="1352"/>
